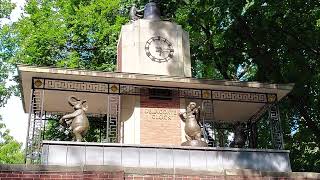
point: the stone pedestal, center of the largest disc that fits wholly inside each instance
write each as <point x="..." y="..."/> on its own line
<point x="132" y="53"/>
<point x="163" y="157"/>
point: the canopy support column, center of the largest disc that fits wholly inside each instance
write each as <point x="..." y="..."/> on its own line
<point x="275" y="124"/>
<point x="35" y="125"/>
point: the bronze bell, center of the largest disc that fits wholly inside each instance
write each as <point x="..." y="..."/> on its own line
<point x="151" y="11"/>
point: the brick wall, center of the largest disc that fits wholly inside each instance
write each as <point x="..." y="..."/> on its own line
<point x="160" y="122"/>
<point x="171" y="177"/>
<point x="219" y="177"/>
<point x="32" y="175"/>
<point x="44" y="172"/>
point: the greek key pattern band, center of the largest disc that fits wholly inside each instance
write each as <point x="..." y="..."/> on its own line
<point x="275" y="123"/>
<point x="141" y="90"/>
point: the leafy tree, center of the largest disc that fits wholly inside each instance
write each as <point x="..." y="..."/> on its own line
<point x="10" y="149"/>
<point x="5" y="8"/>
<point x="75" y="34"/>
<point x="4" y="91"/>
<point x="267" y="41"/>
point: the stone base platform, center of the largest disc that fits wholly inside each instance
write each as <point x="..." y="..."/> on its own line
<point x="163" y="157"/>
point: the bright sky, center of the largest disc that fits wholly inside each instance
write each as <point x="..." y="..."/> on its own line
<point x="15" y="118"/>
<point x="13" y="114"/>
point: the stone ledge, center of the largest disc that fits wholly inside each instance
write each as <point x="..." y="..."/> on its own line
<point x="167" y="157"/>
<point x="157" y="146"/>
<point x="156" y="171"/>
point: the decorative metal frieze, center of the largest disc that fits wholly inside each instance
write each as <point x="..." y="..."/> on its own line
<point x="206" y="94"/>
<point x="38" y="83"/>
<point x="190" y="93"/>
<point x="114" y="88"/>
<point x="71" y="85"/>
<point x="275" y="123"/>
<point x="272" y="98"/>
<point x="131" y="90"/>
<point x="142" y="90"/>
<point x="239" y="96"/>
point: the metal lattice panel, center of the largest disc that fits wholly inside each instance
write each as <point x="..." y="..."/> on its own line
<point x="207" y="113"/>
<point x="209" y="129"/>
<point x="35" y="125"/>
<point x="207" y="110"/>
<point x="112" y="129"/>
<point x="275" y="123"/>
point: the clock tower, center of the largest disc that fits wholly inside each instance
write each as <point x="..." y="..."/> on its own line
<point x="148" y="45"/>
<point x="152" y="46"/>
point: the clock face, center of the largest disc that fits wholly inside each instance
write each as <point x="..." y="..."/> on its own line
<point x="159" y="49"/>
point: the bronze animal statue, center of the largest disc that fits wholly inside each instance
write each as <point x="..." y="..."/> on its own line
<point x="240" y="136"/>
<point x="135" y="13"/>
<point x="192" y="128"/>
<point x="77" y="121"/>
<point x="191" y="118"/>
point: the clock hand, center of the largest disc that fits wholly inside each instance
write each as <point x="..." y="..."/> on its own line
<point x="167" y="50"/>
<point x="159" y="50"/>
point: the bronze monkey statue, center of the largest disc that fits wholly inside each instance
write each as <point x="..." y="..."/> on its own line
<point x="135" y="13"/>
<point x="77" y="121"/>
<point x="240" y="136"/>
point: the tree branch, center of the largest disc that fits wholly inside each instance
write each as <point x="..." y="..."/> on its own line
<point x="309" y="122"/>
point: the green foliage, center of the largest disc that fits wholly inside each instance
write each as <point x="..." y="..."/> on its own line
<point x="305" y="152"/>
<point x="74" y="34"/>
<point x="53" y="131"/>
<point x="264" y="134"/>
<point x="5" y="8"/>
<point x="267" y="41"/>
<point x="4" y="91"/>
<point x="10" y="149"/>
<point x="6" y="51"/>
